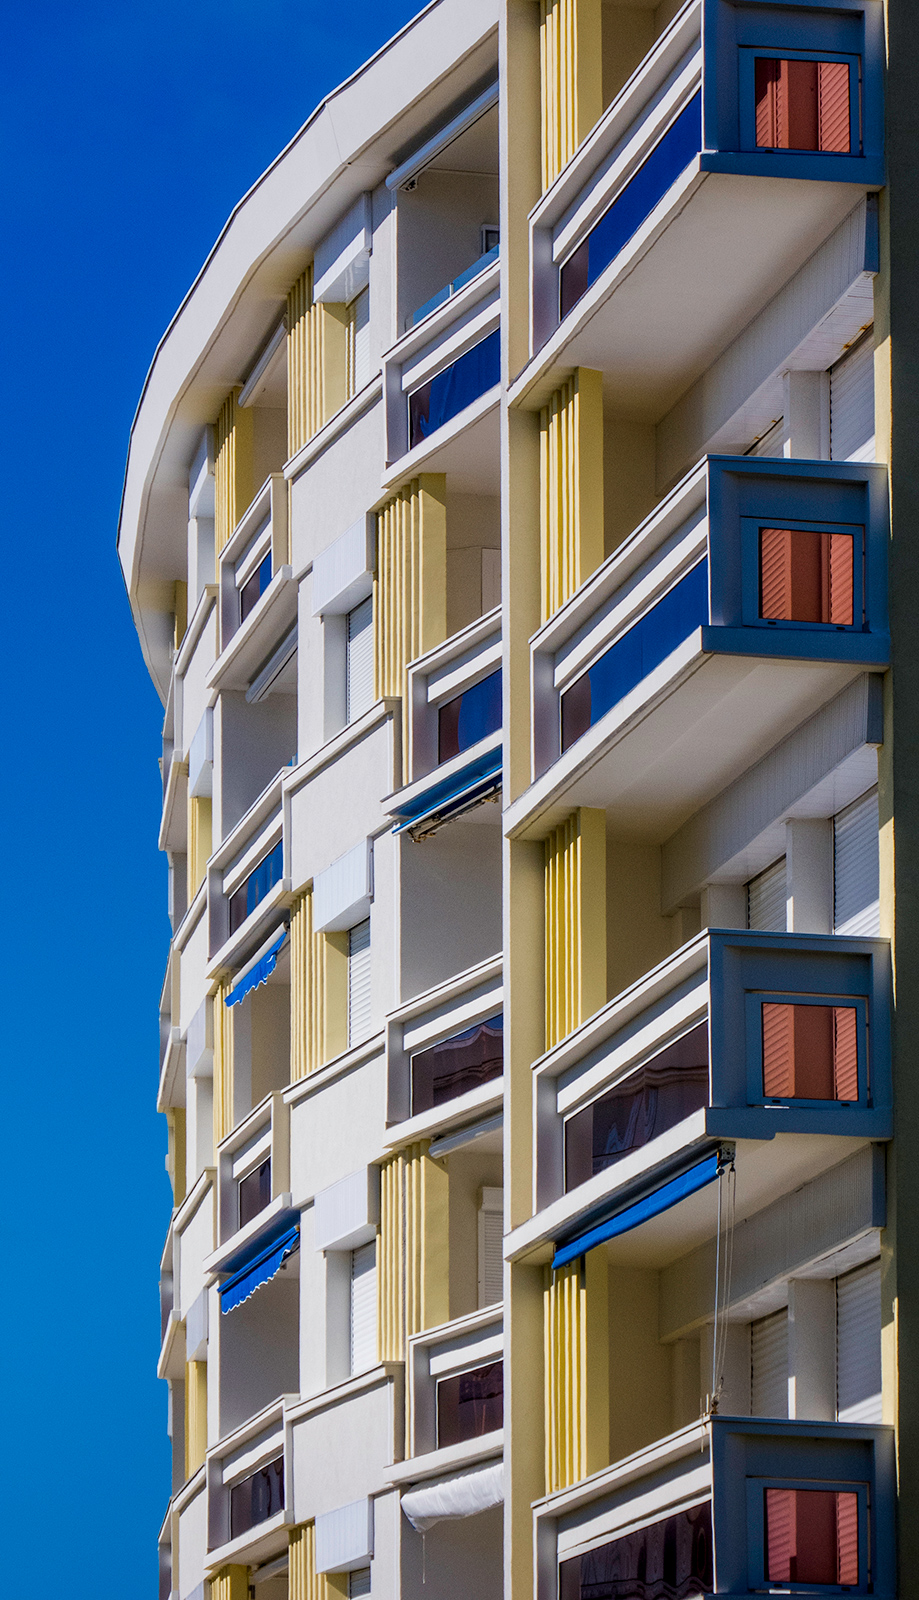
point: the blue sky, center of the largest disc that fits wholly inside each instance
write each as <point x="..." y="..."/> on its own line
<point x="128" y="133"/>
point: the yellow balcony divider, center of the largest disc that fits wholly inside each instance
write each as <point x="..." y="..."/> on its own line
<point x="200" y="832"/>
<point x="223" y="1064"/>
<point x="233" y="466"/>
<point x="410" y="583"/>
<point x="575" y="855"/>
<point x="304" y="1582"/>
<point x="317" y="362"/>
<point x="230" y="1583"/>
<point x="576" y="1370"/>
<point x="571" y="62"/>
<point x="413" y="1277"/>
<point x="195" y="1416"/>
<point x="175" y="1122"/>
<point x="571" y="487"/>
<point x="318" y="992"/>
<point x="180" y="612"/>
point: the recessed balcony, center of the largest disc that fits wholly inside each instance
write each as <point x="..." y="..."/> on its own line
<point x="753" y="594"/>
<point x="741" y="142"/>
<point x="445" y="1057"/>
<point x="248" y="1500"/>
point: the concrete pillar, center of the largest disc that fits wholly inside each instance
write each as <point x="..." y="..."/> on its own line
<point x="809" y="875"/>
<point x="812" y="1349"/>
<point x="724" y="905"/>
<point x="807" y="415"/>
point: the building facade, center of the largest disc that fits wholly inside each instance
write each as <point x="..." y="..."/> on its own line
<point x="517" y="525"/>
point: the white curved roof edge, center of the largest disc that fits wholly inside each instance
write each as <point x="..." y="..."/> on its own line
<point x="341" y="150"/>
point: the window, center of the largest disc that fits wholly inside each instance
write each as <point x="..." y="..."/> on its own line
<point x="458" y="1064"/>
<point x="490" y="237"/>
<point x="766" y="903"/>
<point x="810" y="1052"/>
<point x="359" y="660"/>
<point x="491" y="1247"/>
<point x="469" y="717"/>
<point x="769" y="1366"/>
<point x="363" y="1313"/>
<point x="254" y="1192"/>
<point x="449" y="392"/>
<point x="669" y="1560"/>
<point x="858" y="1345"/>
<point x="257" y="1497"/>
<point x="856" y="868"/>
<point x="642" y="648"/>
<point x="807" y="576"/>
<point x="254" y="587"/>
<point x="470" y="1404"/>
<point x="802" y="104"/>
<point x="358" y="343"/>
<point x="260" y="882"/>
<point x="359" y="1007"/>
<point x="669" y="1087"/>
<point x="358" y="1582"/>
<point x="811" y="1536"/>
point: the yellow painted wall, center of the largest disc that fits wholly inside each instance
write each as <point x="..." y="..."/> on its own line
<point x="576" y="1369"/>
<point x="575" y="922"/>
<point x="234" y="479"/>
<point x="175" y="1160"/>
<point x="195" y="1416"/>
<point x="571" y="487"/>
<point x="571" y="65"/>
<point x="317" y="362"/>
<point x="637" y="936"/>
<point x="413" y="1261"/>
<point x="304" y="1582"/>
<point x="223" y="1065"/>
<point x="410" y="584"/>
<point x="640" y="1367"/>
<point x="200" y="840"/>
<point x="230" y="1583"/>
<point x="629" y="485"/>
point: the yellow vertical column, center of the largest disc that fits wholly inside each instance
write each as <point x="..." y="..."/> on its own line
<point x="571" y="63"/>
<point x="234" y="466"/>
<point x="317" y="362"/>
<point x="575" y="865"/>
<point x="195" y="1416"/>
<point x="413" y="1275"/>
<point x="571" y="487"/>
<point x="175" y="1122"/>
<point x="230" y="1583"/>
<point x="200" y="840"/>
<point x="311" y="1038"/>
<point x="576" y="1369"/>
<point x="304" y="1582"/>
<point x="223" y="1065"/>
<point x="410" y="584"/>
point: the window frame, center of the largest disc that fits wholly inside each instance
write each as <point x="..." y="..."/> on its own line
<point x="754" y="999"/>
<point x="747" y="58"/>
<point x="756" y="1533"/>
<point x="750" y="529"/>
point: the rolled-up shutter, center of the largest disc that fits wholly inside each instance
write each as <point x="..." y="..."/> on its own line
<point x="491" y="1247"/>
<point x="852" y="405"/>
<point x="766" y="911"/>
<point x="359" y="1007"/>
<point x="769" y="1366"/>
<point x="858" y="1345"/>
<point x="360" y="660"/>
<point x="364" y="1307"/>
<point x="856" y="871"/>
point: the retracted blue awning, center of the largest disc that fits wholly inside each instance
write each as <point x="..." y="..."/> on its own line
<point x="260" y="973"/>
<point x="651" y="1205"/>
<point x="259" y="1270"/>
<point x="479" y="776"/>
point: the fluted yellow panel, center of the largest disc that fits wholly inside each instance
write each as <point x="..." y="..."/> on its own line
<point x="571" y="487"/>
<point x="195" y="1416"/>
<point x="410" y="582"/>
<point x="575" y="931"/>
<point x="413" y="1274"/>
<point x="303" y="1581"/>
<point x="199" y="840"/>
<point x="571" y="62"/>
<point x="230" y="1583"/>
<point x="307" y="991"/>
<point x="576" y="1369"/>
<point x="175" y="1122"/>
<point x="233" y="466"/>
<point x="180" y="612"/>
<point x="223" y="1065"/>
<point x="317" y="362"/>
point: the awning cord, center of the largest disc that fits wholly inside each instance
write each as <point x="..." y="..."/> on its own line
<point x="724" y="1266"/>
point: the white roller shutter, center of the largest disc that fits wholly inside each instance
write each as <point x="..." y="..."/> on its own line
<point x="852" y="405"/>
<point x="364" y="1307"/>
<point x="856" y="871"/>
<point x="769" y="1366"/>
<point x="858" y="1345"/>
<point x="359" y="1012"/>
<point x="358" y="1582"/>
<point x="360" y="659"/>
<point x="766" y="910"/>
<point x="491" y="1247"/>
<point x="360" y="341"/>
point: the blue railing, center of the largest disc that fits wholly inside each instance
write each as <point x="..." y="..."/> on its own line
<point x="670" y="156"/>
<point x="260" y="882"/>
<point x="469" y="717"/>
<point x="623" y="666"/>
<point x="449" y="289"/>
<point x="451" y="391"/>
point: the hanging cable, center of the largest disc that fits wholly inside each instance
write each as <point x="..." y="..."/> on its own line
<point x="724" y="1269"/>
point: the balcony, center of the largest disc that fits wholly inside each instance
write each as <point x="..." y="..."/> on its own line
<point x="753" y="594"/>
<point x="258" y="597"/>
<point x="247" y="889"/>
<point x="456" y="1394"/>
<point x="248" y="1496"/>
<point x="253" y="1173"/>
<point x="731" y="1506"/>
<point x="737" y="147"/>
<point x="445" y="1056"/>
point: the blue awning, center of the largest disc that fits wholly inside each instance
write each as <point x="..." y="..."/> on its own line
<point x="259" y="1270"/>
<point x="651" y="1205"/>
<point x="478" y="778"/>
<point x="260" y="973"/>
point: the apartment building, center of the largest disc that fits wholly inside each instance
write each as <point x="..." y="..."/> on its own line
<point x="511" y="535"/>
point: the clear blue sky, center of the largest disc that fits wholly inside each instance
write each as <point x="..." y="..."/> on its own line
<point x="129" y="130"/>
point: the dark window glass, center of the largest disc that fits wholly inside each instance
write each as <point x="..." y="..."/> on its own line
<point x="811" y="1536"/>
<point x="257" y="1498"/>
<point x="258" y="884"/>
<point x="470" y="1404"/>
<point x="254" y="587"/>
<point x="810" y="1052"/>
<point x="660" y="1094"/>
<point x="670" y="156"/>
<point x="649" y="642"/>
<point x="806" y="576"/>
<point x="254" y="1192"/>
<point x="452" y="390"/>
<point x="670" y="1560"/>
<point x="802" y="105"/>
<point x="456" y="1065"/>
<point x="469" y="717"/>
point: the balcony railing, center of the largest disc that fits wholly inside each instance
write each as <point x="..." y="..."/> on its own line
<point x="456" y="1377"/>
<point x="446" y="1053"/>
<point x="480" y="265"/>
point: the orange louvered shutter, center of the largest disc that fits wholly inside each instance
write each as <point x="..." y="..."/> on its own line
<point x="775" y="574"/>
<point x="842" y="579"/>
<point x="778" y="1050"/>
<point x="801" y="105"/>
<point x="845" y="1054"/>
<point x="833" y="106"/>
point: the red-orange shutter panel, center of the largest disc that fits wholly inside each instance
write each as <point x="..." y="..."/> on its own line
<point x="833" y="105"/>
<point x="847" y="1537"/>
<point x="775" y="574"/>
<point x="813" y="1052"/>
<point x="781" y="1534"/>
<point x="778" y="1050"/>
<point x="845" y="1054"/>
<point x="842" y="579"/>
<point x="801" y="128"/>
<point x="766" y="80"/>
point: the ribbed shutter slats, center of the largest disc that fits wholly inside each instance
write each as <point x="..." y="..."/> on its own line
<point x="856" y="868"/>
<point x="766" y="910"/>
<point x="359" y="1011"/>
<point x="852" y="405"/>
<point x="858" y="1345"/>
<point x="491" y="1255"/>
<point x="833" y="105"/>
<point x="364" y="1307"/>
<point x="769" y="1366"/>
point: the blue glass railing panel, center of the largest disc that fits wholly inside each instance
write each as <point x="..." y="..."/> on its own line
<point x="623" y="666"/>
<point x="469" y="717"/>
<point x="670" y="156"/>
<point x="454" y="287"/>
<point x="451" y="391"/>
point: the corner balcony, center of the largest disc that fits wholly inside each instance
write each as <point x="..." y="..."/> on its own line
<point x="778" y="1044"/>
<point x="740" y="143"/>
<point x="258" y="600"/>
<point x="728" y="1506"/>
<point x="253" y="1176"/>
<point x="248" y="1491"/>
<point x="248" y="890"/>
<point x="445" y="1059"/>
<point x="754" y="593"/>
